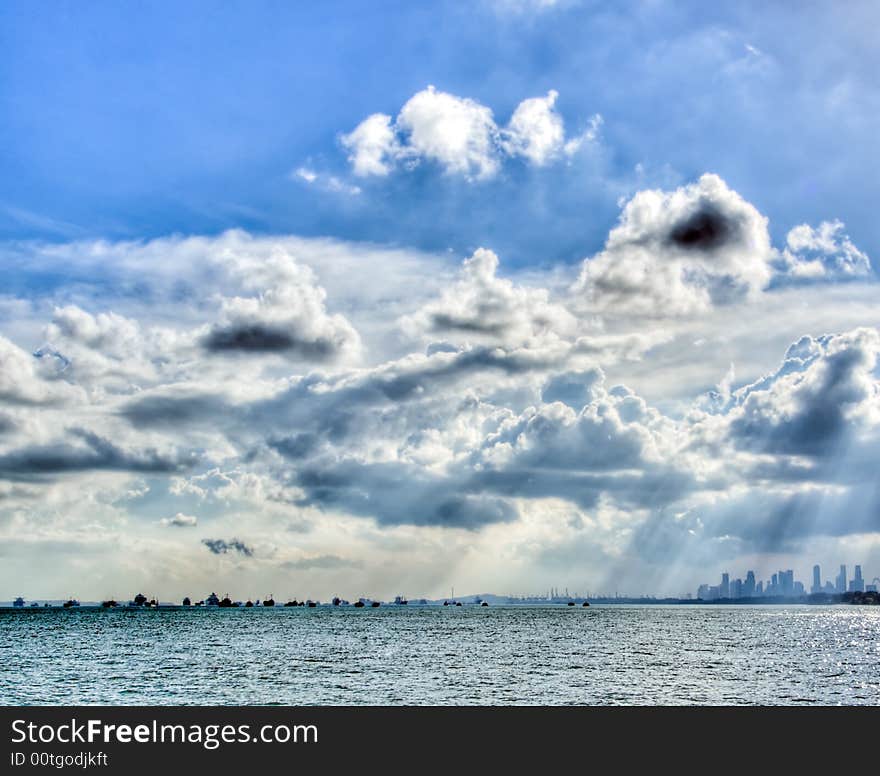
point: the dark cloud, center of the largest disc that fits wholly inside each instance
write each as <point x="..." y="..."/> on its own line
<point x="443" y="322"/>
<point x="705" y="229"/>
<point x="94" y="453"/>
<point x="296" y="446"/>
<point x="399" y="493"/>
<point x="177" y="411"/>
<point x="261" y="338"/>
<point x="221" y="546"/>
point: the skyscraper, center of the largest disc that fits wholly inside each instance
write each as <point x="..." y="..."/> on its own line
<point x="786" y="582"/>
<point x="749" y="585"/>
<point x="858" y="584"/>
<point x="840" y="586"/>
<point x="725" y="585"/>
<point x="817" y="580"/>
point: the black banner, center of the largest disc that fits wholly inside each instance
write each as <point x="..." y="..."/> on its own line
<point x="180" y="739"/>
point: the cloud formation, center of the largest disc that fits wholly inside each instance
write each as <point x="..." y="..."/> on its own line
<point x="461" y="136"/>
<point x="680" y="252"/>
<point x="342" y="410"/>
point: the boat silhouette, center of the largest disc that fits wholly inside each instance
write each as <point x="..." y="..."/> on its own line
<point x="359" y="604"/>
<point x="270" y="601"/>
<point x="70" y="603"/>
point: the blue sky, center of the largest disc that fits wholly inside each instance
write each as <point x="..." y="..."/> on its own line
<point x="398" y="296"/>
<point x="132" y="120"/>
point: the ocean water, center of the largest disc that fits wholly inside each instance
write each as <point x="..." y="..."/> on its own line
<point x="436" y="655"/>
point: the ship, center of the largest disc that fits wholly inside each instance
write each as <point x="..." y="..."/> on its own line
<point x="270" y="601"/>
<point x="400" y="600"/>
<point x="359" y="604"/>
<point x="70" y="603"/>
<point x="212" y="600"/>
<point x="226" y="602"/>
<point x="187" y="602"/>
<point x="18" y="603"/>
<point x="109" y="604"/>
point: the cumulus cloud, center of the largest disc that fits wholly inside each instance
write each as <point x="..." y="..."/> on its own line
<point x="372" y="145"/>
<point x="680" y="252"/>
<point x="824" y="388"/>
<point x="483" y="306"/>
<point x="461" y="136"/>
<point x="823" y="252"/>
<point x="31" y="380"/>
<point x="286" y="315"/>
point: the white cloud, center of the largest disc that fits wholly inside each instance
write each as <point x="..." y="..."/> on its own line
<point x="325" y="182"/>
<point x="461" y="136"/>
<point x="481" y="306"/>
<point x="680" y="252"/>
<point x="306" y="174"/>
<point x="458" y="133"/>
<point x="372" y="146"/>
<point x="535" y="130"/>
<point x="825" y="251"/>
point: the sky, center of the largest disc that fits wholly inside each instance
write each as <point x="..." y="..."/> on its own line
<point x="382" y="299"/>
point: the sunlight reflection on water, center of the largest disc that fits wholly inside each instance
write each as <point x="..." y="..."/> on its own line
<point x="416" y="655"/>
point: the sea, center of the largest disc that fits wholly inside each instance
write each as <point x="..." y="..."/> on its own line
<point x="434" y="655"/>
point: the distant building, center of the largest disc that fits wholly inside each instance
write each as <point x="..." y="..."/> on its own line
<point x="748" y="589"/>
<point x="840" y="586"/>
<point x="857" y="585"/>
<point x="785" y="581"/>
<point x="724" y="592"/>
<point x="817" y="580"/>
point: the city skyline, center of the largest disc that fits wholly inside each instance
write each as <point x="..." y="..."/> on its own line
<point x="783" y="583"/>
